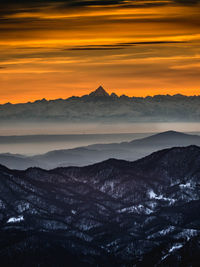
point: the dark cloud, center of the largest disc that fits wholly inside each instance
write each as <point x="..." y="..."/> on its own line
<point x="78" y="3"/>
<point x="67" y="2"/>
<point x="21" y="6"/>
<point x="93" y="48"/>
<point x="187" y="2"/>
<point x="17" y="6"/>
<point x="119" y="45"/>
<point x="154" y="42"/>
<point x="112" y="3"/>
<point x="94" y="2"/>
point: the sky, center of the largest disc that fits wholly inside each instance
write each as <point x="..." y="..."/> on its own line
<point x="56" y="49"/>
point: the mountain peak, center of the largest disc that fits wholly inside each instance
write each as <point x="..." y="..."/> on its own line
<point x="171" y="133"/>
<point x="100" y="91"/>
<point x="114" y="95"/>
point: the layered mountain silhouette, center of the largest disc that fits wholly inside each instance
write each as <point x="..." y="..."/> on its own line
<point x="99" y="106"/>
<point x="114" y="213"/>
<point x="82" y="156"/>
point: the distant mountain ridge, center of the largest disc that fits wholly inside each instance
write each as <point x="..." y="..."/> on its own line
<point x="91" y="154"/>
<point x="113" y="213"/>
<point x="99" y="106"/>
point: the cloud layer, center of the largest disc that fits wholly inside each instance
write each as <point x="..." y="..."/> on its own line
<point x="55" y="49"/>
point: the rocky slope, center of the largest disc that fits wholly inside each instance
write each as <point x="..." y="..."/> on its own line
<point x="114" y="213"/>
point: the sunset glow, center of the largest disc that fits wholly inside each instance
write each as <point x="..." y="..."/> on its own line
<point x="58" y="49"/>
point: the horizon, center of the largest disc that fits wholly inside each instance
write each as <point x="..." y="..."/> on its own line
<point x="109" y="91"/>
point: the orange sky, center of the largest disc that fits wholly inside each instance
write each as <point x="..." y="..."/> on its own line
<point x="137" y="48"/>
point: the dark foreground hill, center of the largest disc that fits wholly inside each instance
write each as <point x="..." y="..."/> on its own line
<point x="114" y="213"/>
<point x="87" y="155"/>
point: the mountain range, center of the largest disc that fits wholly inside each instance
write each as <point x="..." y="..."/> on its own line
<point x="113" y="213"/>
<point x="91" y="154"/>
<point x="99" y="106"/>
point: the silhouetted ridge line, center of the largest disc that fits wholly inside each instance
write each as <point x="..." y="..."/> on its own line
<point x="82" y="156"/>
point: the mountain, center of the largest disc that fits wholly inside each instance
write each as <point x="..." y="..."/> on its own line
<point x="169" y="138"/>
<point x="99" y="92"/>
<point x="100" y="107"/>
<point x="16" y="161"/>
<point x="82" y="156"/>
<point x="114" y="213"/>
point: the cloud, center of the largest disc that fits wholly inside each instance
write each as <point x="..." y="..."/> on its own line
<point x="87" y="3"/>
<point x="187" y="2"/>
<point x="93" y="2"/>
<point x="21" y="6"/>
<point x="115" y="3"/>
<point x="119" y="45"/>
<point x="150" y="43"/>
<point x="93" y="48"/>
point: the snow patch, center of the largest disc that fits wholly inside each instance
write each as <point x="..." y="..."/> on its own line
<point x="153" y="195"/>
<point x="172" y="249"/>
<point x="73" y="212"/>
<point x="187" y="185"/>
<point x="187" y="233"/>
<point x="175" y="247"/>
<point x="137" y="208"/>
<point x="167" y="230"/>
<point x="164" y="257"/>
<point x="163" y="232"/>
<point x="15" y="219"/>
